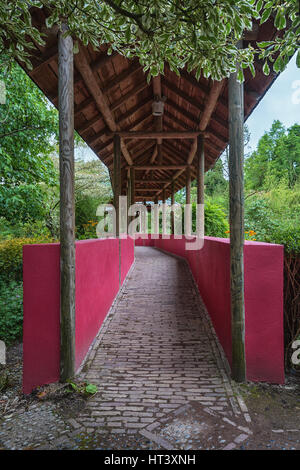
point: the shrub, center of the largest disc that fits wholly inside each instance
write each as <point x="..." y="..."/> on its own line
<point x="85" y="213"/>
<point x="11" y="308"/>
<point x="215" y="220"/>
<point x="11" y="256"/>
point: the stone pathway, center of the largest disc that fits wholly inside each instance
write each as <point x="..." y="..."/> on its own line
<point x="156" y="353"/>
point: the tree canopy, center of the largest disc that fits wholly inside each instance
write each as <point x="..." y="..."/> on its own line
<point x="199" y="34"/>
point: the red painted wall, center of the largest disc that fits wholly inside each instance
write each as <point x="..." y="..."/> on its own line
<point x="263" y="265"/>
<point x="97" y="283"/>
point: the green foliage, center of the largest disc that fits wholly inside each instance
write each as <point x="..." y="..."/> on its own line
<point x="199" y="34"/>
<point x="214" y="181"/>
<point x="215" y="220"/>
<point x="85" y="221"/>
<point x="22" y="203"/>
<point x="11" y="256"/>
<point x="83" y="388"/>
<point x="28" y="128"/>
<point x="11" y="308"/>
<point x="277" y="158"/>
<point x="92" y="187"/>
<point x="30" y="229"/>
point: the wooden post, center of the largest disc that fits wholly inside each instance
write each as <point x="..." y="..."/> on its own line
<point x="200" y="170"/>
<point x="67" y="206"/>
<point x="188" y="185"/>
<point x="128" y="196"/>
<point x="236" y="195"/>
<point x="117" y="179"/>
<point x="188" y="211"/>
<point x="172" y="204"/>
<point x="132" y="185"/>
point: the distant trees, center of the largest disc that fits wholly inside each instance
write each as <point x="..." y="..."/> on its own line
<point x="277" y="158"/>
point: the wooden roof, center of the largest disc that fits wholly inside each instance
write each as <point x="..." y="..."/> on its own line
<point x="111" y="94"/>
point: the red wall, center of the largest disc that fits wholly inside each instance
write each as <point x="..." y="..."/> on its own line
<point x="263" y="267"/>
<point x="97" y="284"/>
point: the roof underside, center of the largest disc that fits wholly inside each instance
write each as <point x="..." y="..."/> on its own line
<point x="111" y="94"/>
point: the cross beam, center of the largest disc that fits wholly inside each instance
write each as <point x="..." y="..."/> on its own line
<point x="157" y="135"/>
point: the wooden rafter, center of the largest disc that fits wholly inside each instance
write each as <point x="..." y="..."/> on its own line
<point x="87" y="74"/>
<point x="133" y="68"/>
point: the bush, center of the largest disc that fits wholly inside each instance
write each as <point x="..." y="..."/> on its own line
<point x="11" y="256"/>
<point x="11" y="308"/>
<point x="29" y="229"/>
<point x="86" y="207"/>
<point x="215" y="220"/>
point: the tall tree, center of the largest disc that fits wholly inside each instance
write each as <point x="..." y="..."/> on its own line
<point x="28" y="128"/>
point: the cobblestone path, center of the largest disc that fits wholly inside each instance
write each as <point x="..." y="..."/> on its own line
<point x="156" y="353"/>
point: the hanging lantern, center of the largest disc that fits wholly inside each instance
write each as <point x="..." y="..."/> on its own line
<point x="158" y="106"/>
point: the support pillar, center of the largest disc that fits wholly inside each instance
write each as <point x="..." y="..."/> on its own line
<point x="67" y="205"/>
<point x="132" y="185"/>
<point x="200" y="170"/>
<point x="236" y="196"/>
<point x="188" y="185"/>
<point x="172" y="204"/>
<point x="117" y="179"/>
<point x="164" y="213"/>
<point x="188" y="210"/>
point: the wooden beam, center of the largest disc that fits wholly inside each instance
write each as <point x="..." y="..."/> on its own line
<point x="236" y="196"/>
<point x="67" y="205"/>
<point x="211" y="103"/>
<point x="151" y="181"/>
<point x="91" y="83"/>
<point x="159" y="167"/>
<point x="145" y="190"/>
<point x="156" y="135"/>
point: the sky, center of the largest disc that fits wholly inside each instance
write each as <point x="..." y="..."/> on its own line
<point x="281" y="102"/>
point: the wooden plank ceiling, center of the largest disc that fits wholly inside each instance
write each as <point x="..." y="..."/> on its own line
<point x="111" y="94"/>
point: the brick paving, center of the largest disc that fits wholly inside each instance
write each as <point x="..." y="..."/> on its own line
<point x="156" y="353"/>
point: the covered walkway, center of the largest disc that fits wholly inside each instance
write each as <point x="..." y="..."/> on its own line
<point x="156" y="353"/>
